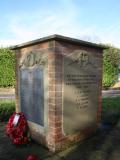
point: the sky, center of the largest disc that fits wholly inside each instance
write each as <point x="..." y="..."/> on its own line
<point x="90" y="20"/>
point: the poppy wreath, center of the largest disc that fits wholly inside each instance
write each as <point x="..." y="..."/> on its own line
<point x="19" y="133"/>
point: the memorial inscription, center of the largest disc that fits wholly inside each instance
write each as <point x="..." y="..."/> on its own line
<point x="81" y="89"/>
<point x="32" y="94"/>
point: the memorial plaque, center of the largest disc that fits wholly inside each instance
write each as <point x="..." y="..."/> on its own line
<point x="32" y="94"/>
<point x="81" y="90"/>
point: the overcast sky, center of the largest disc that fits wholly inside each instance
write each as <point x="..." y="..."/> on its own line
<point x="92" y="20"/>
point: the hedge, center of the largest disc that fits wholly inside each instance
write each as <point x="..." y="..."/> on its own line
<point x="7" y="71"/>
<point x="6" y="109"/>
<point x="111" y="61"/>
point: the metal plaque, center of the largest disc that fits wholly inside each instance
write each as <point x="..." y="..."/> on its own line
<point x="32" y="94"/>
<point x="82" y="76"/>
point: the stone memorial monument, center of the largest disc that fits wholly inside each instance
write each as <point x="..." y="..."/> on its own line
<point x="58" y="88"/>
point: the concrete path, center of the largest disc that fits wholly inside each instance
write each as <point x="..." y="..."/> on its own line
<point x="4" y="97"/>
<point x="111" y="93"/>
<point x="7" y="94"/>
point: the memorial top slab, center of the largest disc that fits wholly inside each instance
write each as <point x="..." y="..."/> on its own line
<point x="59" y="38"/>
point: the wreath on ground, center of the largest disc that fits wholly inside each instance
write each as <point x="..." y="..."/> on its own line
<point x="17" y="129"/>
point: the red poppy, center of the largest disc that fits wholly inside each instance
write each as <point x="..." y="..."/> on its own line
<point x="32" y="157"/>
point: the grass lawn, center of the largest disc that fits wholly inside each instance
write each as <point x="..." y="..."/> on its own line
<point x="112" y="103"/>
<point x="6" y="109"/>
<point x="110" y="110"/>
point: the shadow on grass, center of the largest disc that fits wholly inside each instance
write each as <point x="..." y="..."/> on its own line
<point x="103" y="145"/>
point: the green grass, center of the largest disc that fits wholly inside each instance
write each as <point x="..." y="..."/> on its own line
<point x="111" y="110"/>
<point x="111" y="104"/>
<point x="6" y="109"/>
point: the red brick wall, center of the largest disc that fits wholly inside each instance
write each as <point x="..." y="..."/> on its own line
<point x="56" y="139"/>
